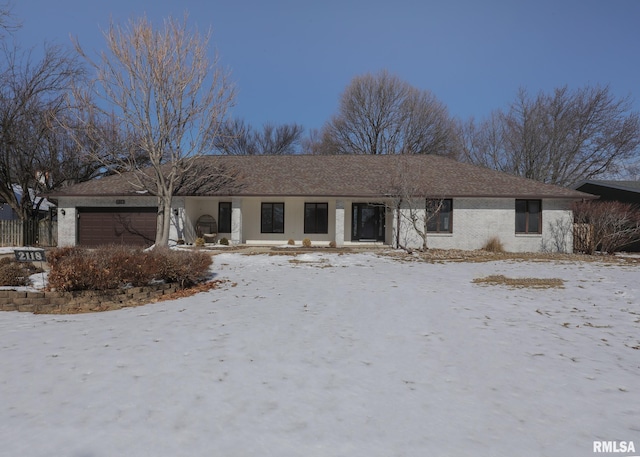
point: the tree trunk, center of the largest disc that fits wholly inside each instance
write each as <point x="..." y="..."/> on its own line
<point x="424" y="233"/>
<point x="164" y="221"/>
<point x="30" y="231"/>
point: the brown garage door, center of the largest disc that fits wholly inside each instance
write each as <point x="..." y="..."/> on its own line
<point x="133" y="226"/>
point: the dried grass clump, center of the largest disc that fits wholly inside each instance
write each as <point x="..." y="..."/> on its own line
<point x="534" y="283"/>
<point x="199" y="242"/>
<point x="291" y="242"/>
<point x="332" y="244"/>
<point x="114" y="267"/>
<point x="306" y="243"/>
<point x="493" y="245"/>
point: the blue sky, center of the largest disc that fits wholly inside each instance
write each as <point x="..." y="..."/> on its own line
<point x="291" y="60"/>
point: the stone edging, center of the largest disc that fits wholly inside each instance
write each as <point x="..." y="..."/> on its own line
<point x="81" y="301"/>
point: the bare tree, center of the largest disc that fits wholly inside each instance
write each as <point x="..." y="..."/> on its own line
<point x="238" y="138"/>
<point x="416" y="215"/>
<point x="100" y="140"/>
<point x="61" y="161"/>
<point x="560" y="138"/>
<point x="235" y="138"/>
<point x="169" y="95"/>
<point x="312" y="143"/>
<point x="630" y="171"/>
<point x="416" y="211"/>
<point x="482" y="143"/>
<point x="32" y="97"/>
<point x="381" y="114"/>
<point x="611" y="225"/>
<point x="279" y="140"/>
<point x="8" y="22"/>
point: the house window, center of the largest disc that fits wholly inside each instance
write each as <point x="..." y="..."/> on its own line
<point x="272" y="218"/>
<point x="439" y="214"/>
<point x="224" y="217"/>
<point x="528" y="216"/>
<point x="316" y="218"/>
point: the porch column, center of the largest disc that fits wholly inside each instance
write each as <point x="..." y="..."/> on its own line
<point x="236" y="221"/>
<point x="395" y="225"/>
<point x="339" y="223"/>
<point x="177" y="228"/>
<point x="67" y="226"/>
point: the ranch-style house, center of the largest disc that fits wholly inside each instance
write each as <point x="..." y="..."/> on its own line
<point x="346" y="199"/>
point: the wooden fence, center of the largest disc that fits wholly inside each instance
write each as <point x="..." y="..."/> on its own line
<point x="30" y="233"/>
<point x="583" y="238"/>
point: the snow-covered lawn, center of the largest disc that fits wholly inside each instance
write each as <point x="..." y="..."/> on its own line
<point x="335" y="355"/>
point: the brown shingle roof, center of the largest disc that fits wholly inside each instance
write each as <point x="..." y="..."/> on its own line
<point x="354" y="176"/>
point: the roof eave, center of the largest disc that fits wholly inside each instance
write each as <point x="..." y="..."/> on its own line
<point x="609" y="185"/>
<point x="581" y="196"/>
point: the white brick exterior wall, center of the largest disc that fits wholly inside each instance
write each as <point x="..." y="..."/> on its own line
<point x="66" y="225"/>
<point x="476" y="220"/>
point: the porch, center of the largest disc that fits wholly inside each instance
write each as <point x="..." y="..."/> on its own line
<point x="275" y="221"/>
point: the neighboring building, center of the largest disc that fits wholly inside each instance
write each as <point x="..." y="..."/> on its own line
<point x="7" y="213"/>
<point x="348" y="199"/>
<point x="621" y="191"/>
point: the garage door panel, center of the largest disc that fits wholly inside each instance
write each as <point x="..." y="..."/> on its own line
<point x="132" y="226"/>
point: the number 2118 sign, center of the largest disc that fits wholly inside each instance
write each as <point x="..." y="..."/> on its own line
<point x="30" y="255"/>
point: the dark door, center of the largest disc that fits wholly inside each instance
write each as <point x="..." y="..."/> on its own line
<point x="132" y="226"/>
<point x="368" y="222"/>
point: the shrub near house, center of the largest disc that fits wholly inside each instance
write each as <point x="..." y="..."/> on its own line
<point x="608" y="226"/>
<point x="113" y="267"/>
<point x="13" y="273"/>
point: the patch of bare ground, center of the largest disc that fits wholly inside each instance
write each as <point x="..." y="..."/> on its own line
<point x="518" y="283"/>
<point x="320" y="263"/>
<point x="458" y="255"/>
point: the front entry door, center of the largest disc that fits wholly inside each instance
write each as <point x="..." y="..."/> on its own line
<point x="368" y="222"/>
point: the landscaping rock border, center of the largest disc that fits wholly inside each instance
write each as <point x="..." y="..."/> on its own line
<point x="84" y="301"/>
